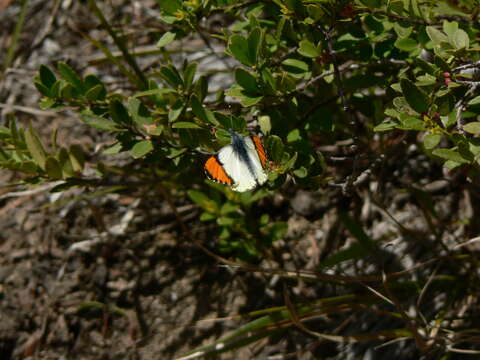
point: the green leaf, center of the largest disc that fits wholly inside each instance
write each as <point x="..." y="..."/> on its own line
<point x="185" y="125"/>
<point x="35" y="147"/>
<point x="416" y="98"/>
<point x="201" y="87"/>
<point x="95" y="93"/>
<point x="228" y="208"/>
<point x="414" y="9"/>
<point x="246" y="80"/>
<point x="14" y="132"/>
<point x="176" y="110"/>
<point x="202" y="200"/>
<point x="55" y="89"/>
<point x="277" y="230"/>
<point x="290" y="162"/>
<point x="71" y="76"/>
<point x="139" y="113"/>
<point x="176" y="152"/>
<point x="426" y="80"/>
<point x="189" y="74"/>
<point x="119" y="113"/>
<point x="47" y="77"/>
<point x="449" y="120"/>
<point x="294" y="136"/>
<point x="308" y="49"/>
<point x="436" y="35"/>
<point x="450" y="28"/>
<point x="449" y="154"/>
<point x="411" y="123"/>
<point x="265" y="124"/>
<point x="53" y="140"/>
<point x="472" y="128"/>
<point x="206" y="216"/>
<point x="430" y="141"/>
<point x="461" y="40"/>
<point x="45" y="91"/>
<point x="301" y="172"/>
<point x="170" y="6"/>
<point x="113" y="149"/>
<point x="52" y="168"/>
<point x="445" y="103"/>
<point x="295" y="66"/>
<point x="425" y="65"/>
<point x="406" y="44"/>
<point x="27" y="167"/>
<point x="275" y="148"/>
<point x="402" y="30"/>
<point x="100" y="123"/>
<point x="171" y="76"/>
<point x="202" y="113"/>
<point x="254" y="43"/>
<point x="166" y="39"/>
<point x="385" y="126"/>
<point x="77" y="157"/>
<point x="4" y="132"/>
<point x="95" y="88"/>
<point x="372" y="4"/>
<point x="474" y="101"/>
<point x="247" y="100"/>
<point x="141" y="148"/>
<point x="154" y="92"/>
<point x="238" y="47"/>
<point x="226" y="221"/>
<point x="65" y="163"/>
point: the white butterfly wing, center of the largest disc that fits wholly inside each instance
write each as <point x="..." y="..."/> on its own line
<point x="237" y="169"/>
<point x="252" y="152"/>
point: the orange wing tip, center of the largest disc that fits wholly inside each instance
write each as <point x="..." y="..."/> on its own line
<point x="260" y="150"/>
<point x="215" y="171"/>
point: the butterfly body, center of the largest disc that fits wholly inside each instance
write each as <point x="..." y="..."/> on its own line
<point x="241" y="164"/>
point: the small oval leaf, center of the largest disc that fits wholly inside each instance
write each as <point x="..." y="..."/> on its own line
<point x="52" y="168"/>
<point x="35" y="147"/>
<point x="166" y="39"/>
<point x="416" y="98"/>
<point x="431" y="140"/>
<point x="449" y="154"/>
<point x="472" y="128"/>
<point x="99" y="122"/>
<point x="308" y="49"/>
<point x="141" y="148"/>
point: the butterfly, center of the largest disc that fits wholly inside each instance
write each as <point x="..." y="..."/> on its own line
<point x="240" y="164"/>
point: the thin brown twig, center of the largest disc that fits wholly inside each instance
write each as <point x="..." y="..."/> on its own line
<point x="347" y="188"/>
<point x="28" y="110"/>
<point x="424" y="291"/>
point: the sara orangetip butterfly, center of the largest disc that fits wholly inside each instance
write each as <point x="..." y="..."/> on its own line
<point x="241" y="164"/>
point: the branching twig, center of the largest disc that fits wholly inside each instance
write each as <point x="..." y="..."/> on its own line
<point x="346" y="189"/>
<point x="142" y="83"/>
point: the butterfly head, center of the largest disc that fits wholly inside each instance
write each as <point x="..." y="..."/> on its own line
<point x="236" y="139"/>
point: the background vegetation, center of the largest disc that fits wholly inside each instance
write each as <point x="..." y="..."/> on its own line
<point x="362" y="243"/>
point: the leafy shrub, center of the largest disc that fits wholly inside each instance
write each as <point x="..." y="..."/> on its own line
<point x="370" y="77"/>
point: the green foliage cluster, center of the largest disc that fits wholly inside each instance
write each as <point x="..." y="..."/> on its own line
<point x="306" y="73"/>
